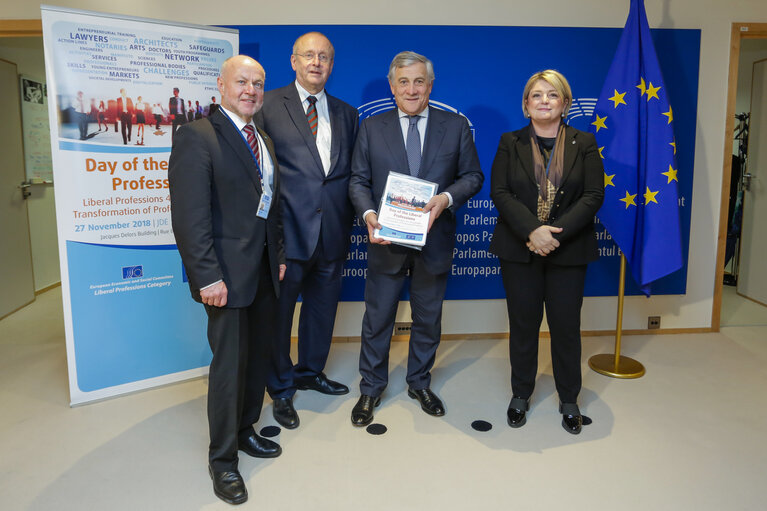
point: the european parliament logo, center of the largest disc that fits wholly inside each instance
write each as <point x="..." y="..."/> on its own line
<point x="378" y="106"/>
<point x="133" y="272"/>
<point x="581" y="107"/>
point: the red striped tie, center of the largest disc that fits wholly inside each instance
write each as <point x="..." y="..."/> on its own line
<point x="311" y="115"/>
<point x="250" y="135"/>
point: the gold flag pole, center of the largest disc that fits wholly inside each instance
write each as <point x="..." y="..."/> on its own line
<point x="616" y="365"/>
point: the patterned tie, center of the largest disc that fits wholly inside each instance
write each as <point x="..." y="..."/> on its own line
<point x="250" y="135"/>
<point x="413" y="146"/>
<point x="311" y="115"/>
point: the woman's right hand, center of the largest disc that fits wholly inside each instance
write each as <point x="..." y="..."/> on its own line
<point x="541" y="241"/>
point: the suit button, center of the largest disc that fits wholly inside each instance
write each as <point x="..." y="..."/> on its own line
<point x="319" y="210"/>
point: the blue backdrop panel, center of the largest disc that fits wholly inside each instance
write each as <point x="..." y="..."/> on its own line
<point x="140" y="286"/>
<point x="480" y="73"/>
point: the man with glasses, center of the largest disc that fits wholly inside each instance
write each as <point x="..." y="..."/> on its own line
<point x="314" y="134"/>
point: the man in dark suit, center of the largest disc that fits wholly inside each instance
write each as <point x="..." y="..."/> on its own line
<point x="392" y="141"/>
<point x="213" y="106"/>
<point x="314" y="135"/>
<point x="125" y="114"/>
<point x="177" y="111"/>
<point x="225" y="206"/>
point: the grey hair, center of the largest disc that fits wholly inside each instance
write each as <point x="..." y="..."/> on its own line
<point x="408" y="58"/>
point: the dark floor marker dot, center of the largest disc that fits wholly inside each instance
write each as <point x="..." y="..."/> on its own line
<point x="481" y="425"/>
<point x="376" y="429"/>
<point x="270" y="431"/>
<point x="586" y="420"/>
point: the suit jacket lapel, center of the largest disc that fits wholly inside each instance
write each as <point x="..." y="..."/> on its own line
<point x="335" y="132"/>
<point x="392" y="133"/>
<point x="525" y="153"/>
<point x="298" y="116"/>
<point x="571" y="151"/>
<point x="228" y="132"/>
<point x="435" y="132"/>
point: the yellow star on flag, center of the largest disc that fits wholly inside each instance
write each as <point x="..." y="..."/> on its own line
<point x="600" y="122"/>
<point x="629" y="199"/>
<point x="671" y="174"/>
<point x="650" y="196"/>
<point x="652" y="92"/>
<point x="609" y="180"/>
<point x="600" y="152"/>
<point x="673" y="144"/>
<point x="669" y="114"/>
<point x="618" y="98"/>
<point x="642" y="87"/>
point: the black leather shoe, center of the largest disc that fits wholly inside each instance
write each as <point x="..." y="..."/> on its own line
<point x="572" y="420"/>
<point x="284" y="413"/>
<point x="228" y="486"/>
<point x="516" y="415"/>
<point x="362" y="413"/>
<point x="321" y="383"/>
<point x="259" y="447"/>
<point x="430" y="403"/>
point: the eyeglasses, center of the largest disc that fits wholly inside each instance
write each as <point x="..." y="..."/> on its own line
<point x="311" y="56"/>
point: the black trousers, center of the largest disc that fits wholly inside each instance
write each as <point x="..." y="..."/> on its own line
<point x="382" y="294"/>
<point x="240" y="340"/>
<point x="529" y="287"/>
<point x="125" y="126"/>
<point x="318" y="281"/>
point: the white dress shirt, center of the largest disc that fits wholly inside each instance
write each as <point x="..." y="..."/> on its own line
<point x="323" y="123"/>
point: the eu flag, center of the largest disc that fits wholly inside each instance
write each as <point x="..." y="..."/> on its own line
<point x="633" y="124"/>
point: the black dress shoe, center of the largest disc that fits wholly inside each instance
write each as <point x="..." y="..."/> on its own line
<point x="321" y="383"/>
<point x="228" y="486"/>
<point x="572" y="420"/>
<point x="284" y="413"/>
<point x="362" y="413"/>
<point x="430" y="403"/>
<point x="516" y="414"/>
<point x="259" y="447"/>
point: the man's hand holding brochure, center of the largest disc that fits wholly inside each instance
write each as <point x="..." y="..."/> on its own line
<point x="408" y="209"/>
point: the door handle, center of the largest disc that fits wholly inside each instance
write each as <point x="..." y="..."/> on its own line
<point x="747" y="177"/>
<point x="25" y="192"/>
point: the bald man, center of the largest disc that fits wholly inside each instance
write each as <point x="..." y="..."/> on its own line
<point x="225" y="206"/>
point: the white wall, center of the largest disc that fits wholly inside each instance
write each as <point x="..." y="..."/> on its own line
<point x="27" y="53"/>
<point x="713" y="17"/>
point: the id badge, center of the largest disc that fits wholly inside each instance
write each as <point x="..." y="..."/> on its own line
<point x="264" y="204"/>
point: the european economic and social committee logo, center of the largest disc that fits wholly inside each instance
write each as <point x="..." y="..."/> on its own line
<point x="133" y="272"/>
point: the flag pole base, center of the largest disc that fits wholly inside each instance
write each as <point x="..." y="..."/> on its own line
<point x="627" y="368"/>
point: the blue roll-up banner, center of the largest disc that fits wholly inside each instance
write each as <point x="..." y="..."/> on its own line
<point x="130" y="322"/>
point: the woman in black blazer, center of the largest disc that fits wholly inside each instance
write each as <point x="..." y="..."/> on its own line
<point x="548" y="183"/>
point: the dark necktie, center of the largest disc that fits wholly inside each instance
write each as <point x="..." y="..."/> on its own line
<point x="413" y="146"/>
<point x="250" y="135"/>
<point x="311" y="115"/>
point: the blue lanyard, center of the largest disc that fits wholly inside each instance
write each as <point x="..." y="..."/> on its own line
<point x="551" y="157"/>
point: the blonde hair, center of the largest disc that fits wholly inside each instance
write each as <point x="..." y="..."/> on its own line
<point x="556" y="80"/>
